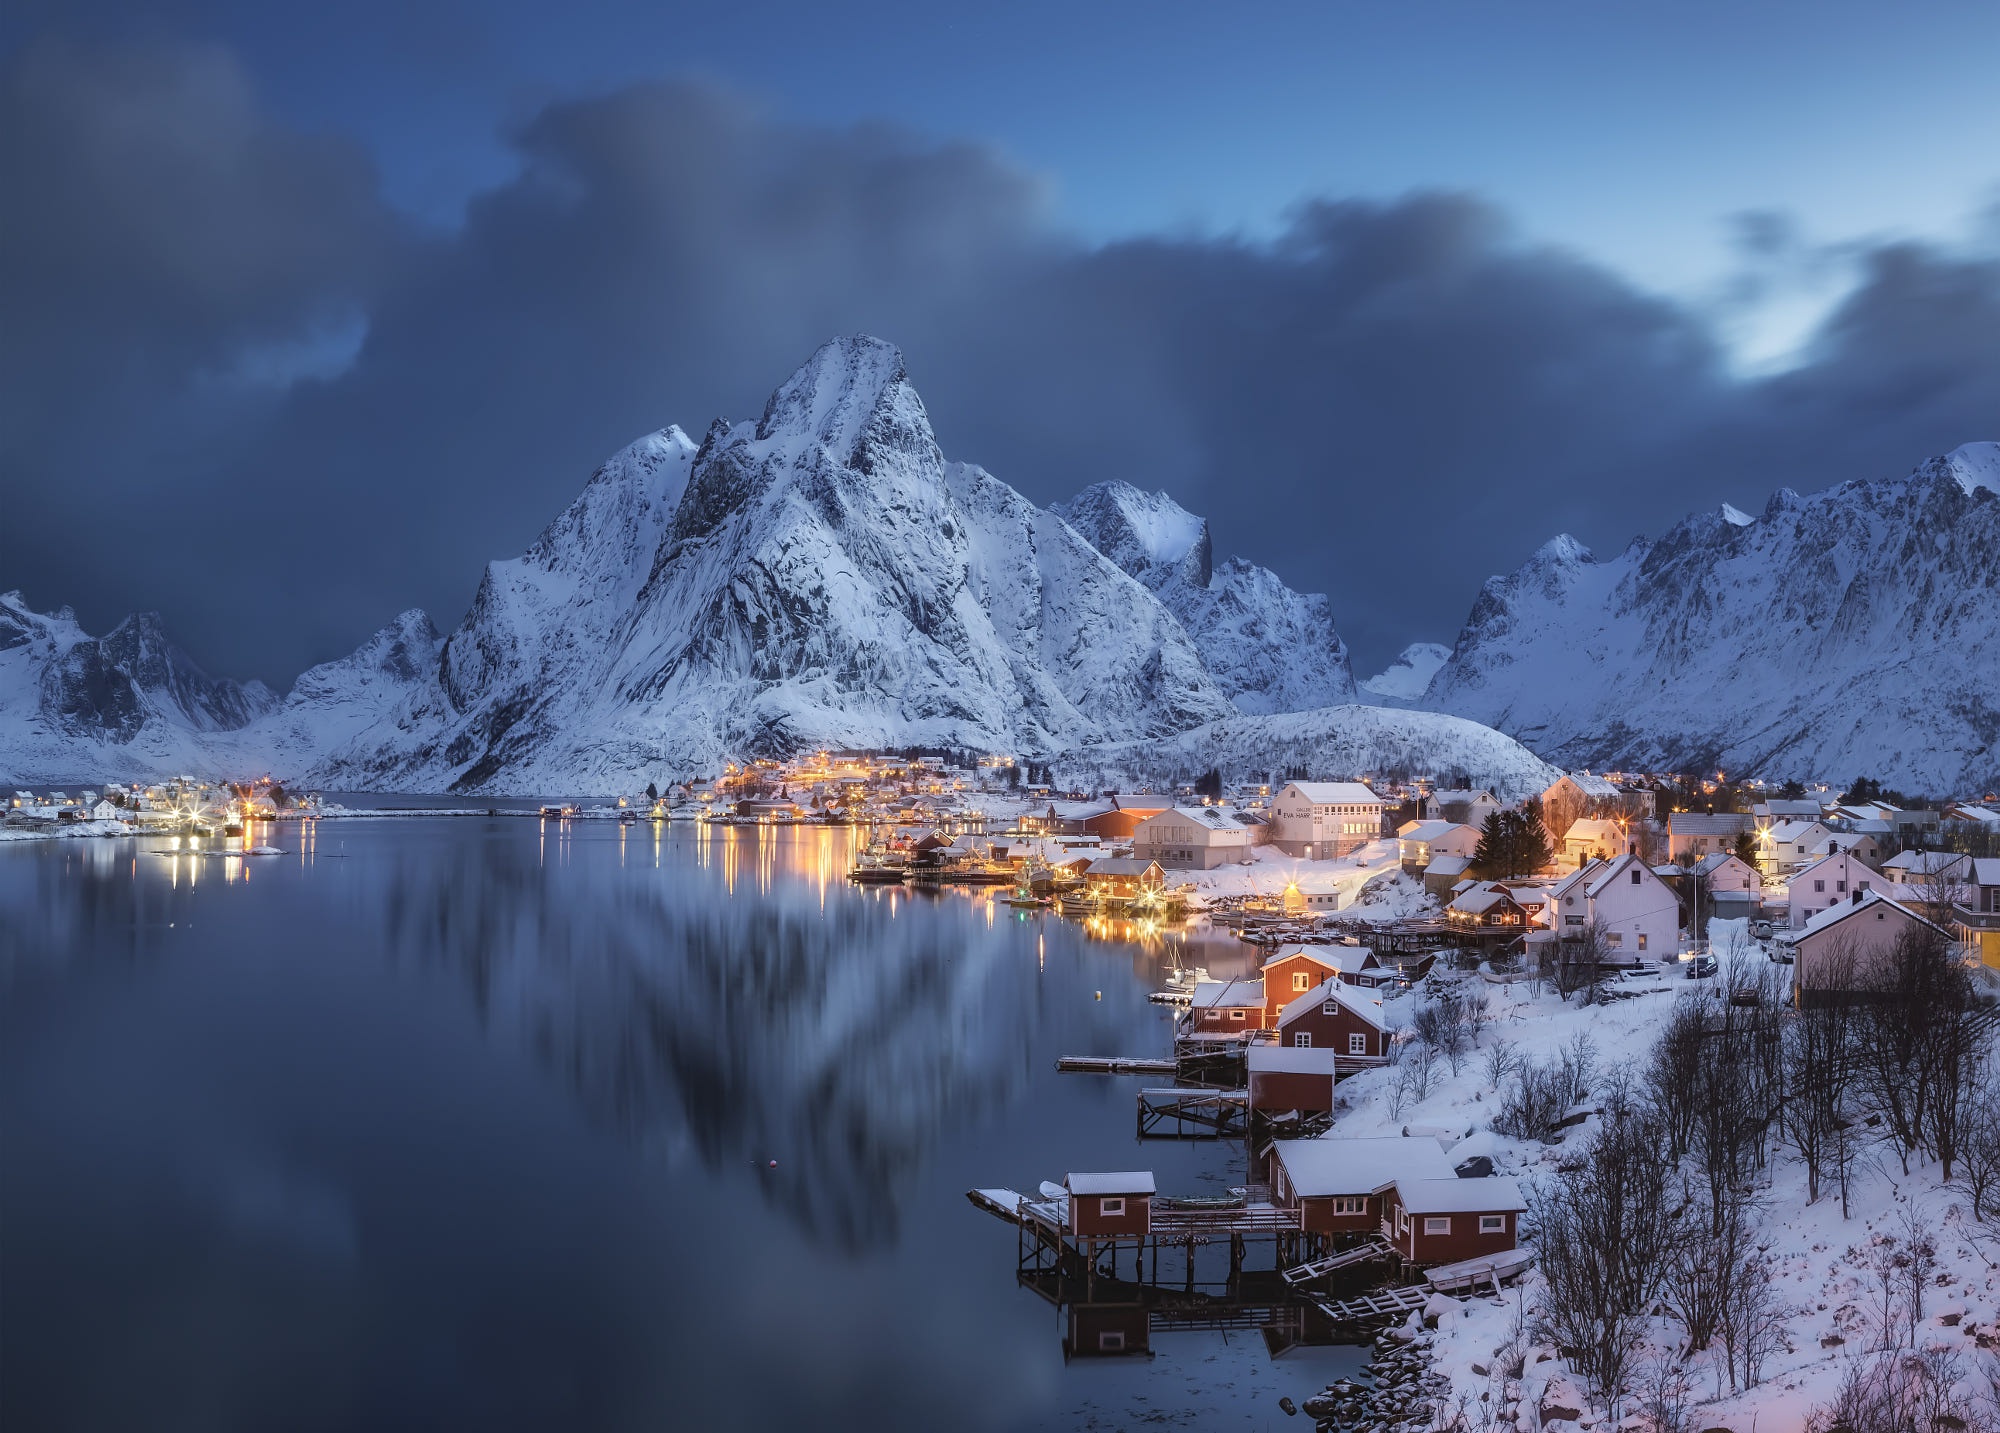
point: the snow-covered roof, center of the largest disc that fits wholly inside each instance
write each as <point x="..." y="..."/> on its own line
<point x="1986" y="871"/>
<point x="1494" y="1194"/>
<point x="1924" y="863"/>
<point x="1715" y="860"/>
<point x="1291" y="1060"/>
<point x="1448" y="865"/>
<point x="1336" y="793"/>
<point x="1868" y="901"/>
<point x="1335" y="990"/>
<point x="1213" y="817"/>
<point x="1790" y="832"/>
<point x="1426" y="830"/>
<point x="1782" y="809"/>
<point x="1319" y="1168"/>
<point x="1592" y="785"/>
<point x="1218" y="993"/>
<point x="1120" y="866"/>
<point x="1481" y="899"/>
<point x="1593" y="828"/>
<point x="1333" y="957"/>
<point x="1700" y="823"/>
<point x="1453" y="795"/>
<point x="1129" y="1181"/>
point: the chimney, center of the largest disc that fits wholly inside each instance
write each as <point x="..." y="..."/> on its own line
<point x="1857" y="896"/>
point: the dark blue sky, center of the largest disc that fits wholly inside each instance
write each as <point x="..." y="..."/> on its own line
<point x="1455" y="275"/>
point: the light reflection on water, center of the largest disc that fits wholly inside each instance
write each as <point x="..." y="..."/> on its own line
<point x="496" y="1122"/>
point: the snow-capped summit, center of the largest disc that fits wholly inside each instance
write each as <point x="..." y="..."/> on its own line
<point x="1850" y="631"/>
<point x="1407" y="678"/>
<point x="1975" y="466"/>
<point x="1271" y="649"/>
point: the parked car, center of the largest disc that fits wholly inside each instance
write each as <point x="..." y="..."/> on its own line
<point x="1701" y="967"/>
<point x="1761" y="929"/>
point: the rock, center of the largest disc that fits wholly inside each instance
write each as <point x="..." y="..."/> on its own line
<point x="1291" y="1408"/>
<point x="1832" y="1340"/>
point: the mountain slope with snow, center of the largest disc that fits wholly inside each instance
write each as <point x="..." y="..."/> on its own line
<point x="1334" y="740"/>
<point x="76" y="707"/>
<point x="1408" y="677"/>
<point x="1271" y="649"/>
<point x="1852" y="632"/>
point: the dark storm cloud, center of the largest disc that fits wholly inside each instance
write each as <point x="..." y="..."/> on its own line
<point x="1389" y="402"/>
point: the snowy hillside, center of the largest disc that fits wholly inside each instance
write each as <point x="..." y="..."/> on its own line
<point x="1333" y="740"/>
<point x="1270" y="649"/>
<point x="1852" y="632"/>
<point x="75" y="707"/>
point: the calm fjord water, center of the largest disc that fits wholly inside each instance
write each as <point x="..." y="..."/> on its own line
<point x="470" y="1123"/>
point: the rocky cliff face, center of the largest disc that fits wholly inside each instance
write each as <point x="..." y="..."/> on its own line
<point x="1855" y="631"/>
<point x="1269" y="648"/>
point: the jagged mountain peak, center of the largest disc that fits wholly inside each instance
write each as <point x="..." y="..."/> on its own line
<point x="852" y="391"/>
<point x="1147" y="534"/>
<point x="1974" y="466"/>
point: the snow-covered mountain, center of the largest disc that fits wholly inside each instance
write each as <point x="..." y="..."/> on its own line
<point x="1347" y="739"/>
<point x="1852" y="632"/>
<point x="1271" y="649"/>
<point x="821" y="575"/>
<point x="1408" y="677"/>
<point x="75" y="706"/>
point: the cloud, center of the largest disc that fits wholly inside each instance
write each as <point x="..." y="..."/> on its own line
<point x="233" y="344"/>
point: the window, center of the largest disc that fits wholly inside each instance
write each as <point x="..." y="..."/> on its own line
<point x="1437" y="1224"/>
<point x="1635" y="876"/>
<point x="1616" y="937"/>
<point x="1236" y="1015"/>
<point x="1111" y="1208"/>
<point x="1493" y="1224"/>
<point x="1819" y="885"/>
<point x="1357" y="1044"/>
<point x="1572" y="920"/>
<point x="1332" y="1007"/>
<point x="1642" y="940"/>
<point x="1111" y="1341"/>
<point x="1350" y="1204"/>
<point x="1301" y="980"/>
<point x="1303" y="1040"/>
<point x="1840" y="886"/>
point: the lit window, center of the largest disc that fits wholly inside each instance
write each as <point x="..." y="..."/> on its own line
<point x="1301" y="980"/>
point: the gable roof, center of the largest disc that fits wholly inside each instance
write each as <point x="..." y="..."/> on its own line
<point x="1338" y="991"/>
<point x="1495" y="1194"/>
<point x="1330" y="957"/>
<point x="1715" y="860"/>
<point x="1216" y="993"/>
<point x="1924" y="863"/>
<point x="1335" y="793"/>
<point x="1870" y="899"/>
<point x="1986" y="871"/>
<point x="1614" y="869"/>
<point x="1483" y="898"/>
<point x="1215" y="818"/>
<point x="1792" y="831"/>
<point x="1319" y="1168"/>
<point x="1452" y="795"/>
<point x="1449" y="865"/>
<point x="1120" y="866"/>
<point x="1700" y="823"/>
<point x="1426" y="830"/>
<point x="1593" y="828"/>
<point x="1589" y="785"/>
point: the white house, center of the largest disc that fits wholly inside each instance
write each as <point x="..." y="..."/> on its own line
<point x="1193" y="838"/>
<point x="1944" y="870"/>
<point x="1787" y="846"/>
<point x="1638" y="914"/>
<point x="1592" y="838"/>
<point x="1322" y="819"/>
<point x="1729" y="881"/>
<point x="106" y="811"/>
<point x="1833" y="879"/>
<point x="1422" y="842"/>
<point x="1848" y="946"/>
<point x="1462" y="805"/>
<point x="1697" y="834"/>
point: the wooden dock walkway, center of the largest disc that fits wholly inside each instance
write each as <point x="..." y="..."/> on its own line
<point x="1193" y="1113"/>
<point x="1113" y="1065"/>
<point x="1375" y="1248"/>
<point x="1382" y="1304"/>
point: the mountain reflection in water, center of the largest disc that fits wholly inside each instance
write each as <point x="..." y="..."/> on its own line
<point x="485" y="1122"/>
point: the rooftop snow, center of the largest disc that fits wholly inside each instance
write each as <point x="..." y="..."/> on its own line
<point x="1318" y="1168"/>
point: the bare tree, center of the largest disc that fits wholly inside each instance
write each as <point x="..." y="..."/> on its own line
<point x="1606" y="1228"/>
<point x="1817" y="1051"/>
<point x="1917" y="1039"/>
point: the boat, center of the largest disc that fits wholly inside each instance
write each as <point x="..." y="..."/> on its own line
<point x="878" y="875"/>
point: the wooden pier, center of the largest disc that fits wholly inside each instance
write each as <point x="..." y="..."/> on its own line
<point x="1114" y="1065"/>
<point x="1382" y="1304"/>
<point x="1194" y="1114"/>
<point x="1375" y="1248"/>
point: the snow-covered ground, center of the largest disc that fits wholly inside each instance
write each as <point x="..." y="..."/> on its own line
<point x="1821" y="1287"/>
